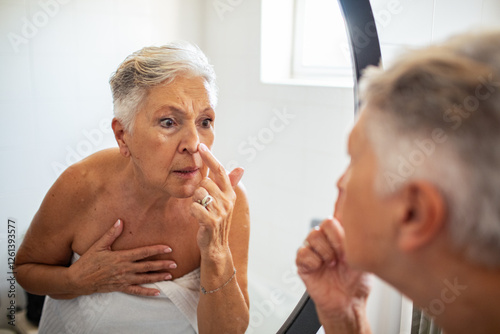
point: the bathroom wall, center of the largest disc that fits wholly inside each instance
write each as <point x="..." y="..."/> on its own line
<point x="410" y="23"/>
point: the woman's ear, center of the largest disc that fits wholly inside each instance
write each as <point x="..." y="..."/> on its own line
<point x="119" y="131"/>
<point x="422" y="216"/>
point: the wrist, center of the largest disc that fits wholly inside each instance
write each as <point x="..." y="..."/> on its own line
<point x="216" y="269"/>
<point x="219" y="256"/>
<point x="351" y="320"/>
<point x="72" y="285"/>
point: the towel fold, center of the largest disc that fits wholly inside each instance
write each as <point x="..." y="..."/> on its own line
<point x="173" y="311"/>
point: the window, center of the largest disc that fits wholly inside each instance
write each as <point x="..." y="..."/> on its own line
<point x="304" y="42"/>
<point x="321" y="49"/>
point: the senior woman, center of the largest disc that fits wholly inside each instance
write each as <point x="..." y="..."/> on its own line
<point x="151" y="236"/>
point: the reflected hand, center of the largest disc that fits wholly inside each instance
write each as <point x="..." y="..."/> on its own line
<point x="215" y="218"/>
<point x="339" y="292"/>
<point x="102" y="270"/>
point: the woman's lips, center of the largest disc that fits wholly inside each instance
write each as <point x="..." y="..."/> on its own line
<point x="187" y="173"/>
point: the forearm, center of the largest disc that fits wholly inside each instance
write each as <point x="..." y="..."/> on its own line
<point x="224" y="310"/>
<point x="41" y="279"/>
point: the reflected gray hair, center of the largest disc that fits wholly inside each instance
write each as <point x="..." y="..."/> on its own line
<point x="152" y="66"/>
<point x="435" y="115"/>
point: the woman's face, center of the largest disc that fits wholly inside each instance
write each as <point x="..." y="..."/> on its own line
<point x="364" y="214"/>
<point x="163" y="145"/>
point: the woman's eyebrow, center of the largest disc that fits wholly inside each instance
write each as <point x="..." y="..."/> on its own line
<point x="208" y="109"/>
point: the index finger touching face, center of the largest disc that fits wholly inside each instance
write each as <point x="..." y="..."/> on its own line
<point x="218" y="171"/>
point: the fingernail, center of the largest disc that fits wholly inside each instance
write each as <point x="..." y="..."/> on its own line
<point x="118" y="222"/>
<point x="157" y="294"/>
<point x="173" y="266"/>
<point x="203" y="147"/>
<point x="168" y="250"/>
<point x="167" y="277"/>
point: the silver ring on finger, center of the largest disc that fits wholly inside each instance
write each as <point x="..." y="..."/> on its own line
<point x="206" y="201"/>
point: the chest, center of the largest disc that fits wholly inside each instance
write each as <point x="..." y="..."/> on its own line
<point x="174" y="227"/>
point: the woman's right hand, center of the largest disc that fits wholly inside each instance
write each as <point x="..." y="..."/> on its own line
<point x="339" y="292"/>
<point x="101" y="269"/>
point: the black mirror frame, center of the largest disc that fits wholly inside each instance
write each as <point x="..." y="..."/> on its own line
<point x="365" y="51"/>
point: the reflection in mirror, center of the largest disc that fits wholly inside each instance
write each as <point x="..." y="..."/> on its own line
<point x="56" y="110"/>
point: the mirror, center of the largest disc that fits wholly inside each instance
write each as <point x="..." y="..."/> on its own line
<point x="56" y="109"/>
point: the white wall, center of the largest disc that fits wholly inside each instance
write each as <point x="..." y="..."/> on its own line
<point x="411" y="23"/>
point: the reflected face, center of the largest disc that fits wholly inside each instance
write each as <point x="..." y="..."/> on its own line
<point x="163" y="145"/>
<point x="362" y="212"/>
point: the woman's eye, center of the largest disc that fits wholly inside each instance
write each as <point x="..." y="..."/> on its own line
<point x="167" y="123"/>
<point x="206" y="123"/>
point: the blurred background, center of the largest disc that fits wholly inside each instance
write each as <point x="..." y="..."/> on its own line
<point x="284" y="113"/>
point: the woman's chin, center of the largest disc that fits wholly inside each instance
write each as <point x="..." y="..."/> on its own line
<point x="183" y="192"/>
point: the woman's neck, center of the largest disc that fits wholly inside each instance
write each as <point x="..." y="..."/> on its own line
<point x="146" y="197"/>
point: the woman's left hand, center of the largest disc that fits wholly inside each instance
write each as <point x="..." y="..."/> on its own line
<point x="215" y="218"/>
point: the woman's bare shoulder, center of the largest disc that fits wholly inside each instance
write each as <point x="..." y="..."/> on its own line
<point x="239" y="236"/>
<point x="100" y="163"/>
<point x="78" y="185"/>
<point x="240" y="223"/>
<point x="241" y="204"/>
<point x="64" y="207"/>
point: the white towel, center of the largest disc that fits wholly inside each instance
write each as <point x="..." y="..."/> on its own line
<point x="173" y="311"/>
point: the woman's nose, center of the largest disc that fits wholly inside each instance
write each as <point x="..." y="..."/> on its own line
<point x="190" y="140"/>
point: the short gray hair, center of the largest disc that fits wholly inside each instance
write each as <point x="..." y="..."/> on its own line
<point x="435" y="115"/>
<point x="152" y="66"/>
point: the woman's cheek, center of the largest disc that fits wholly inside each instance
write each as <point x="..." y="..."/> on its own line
<point x="208" y="138"/>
